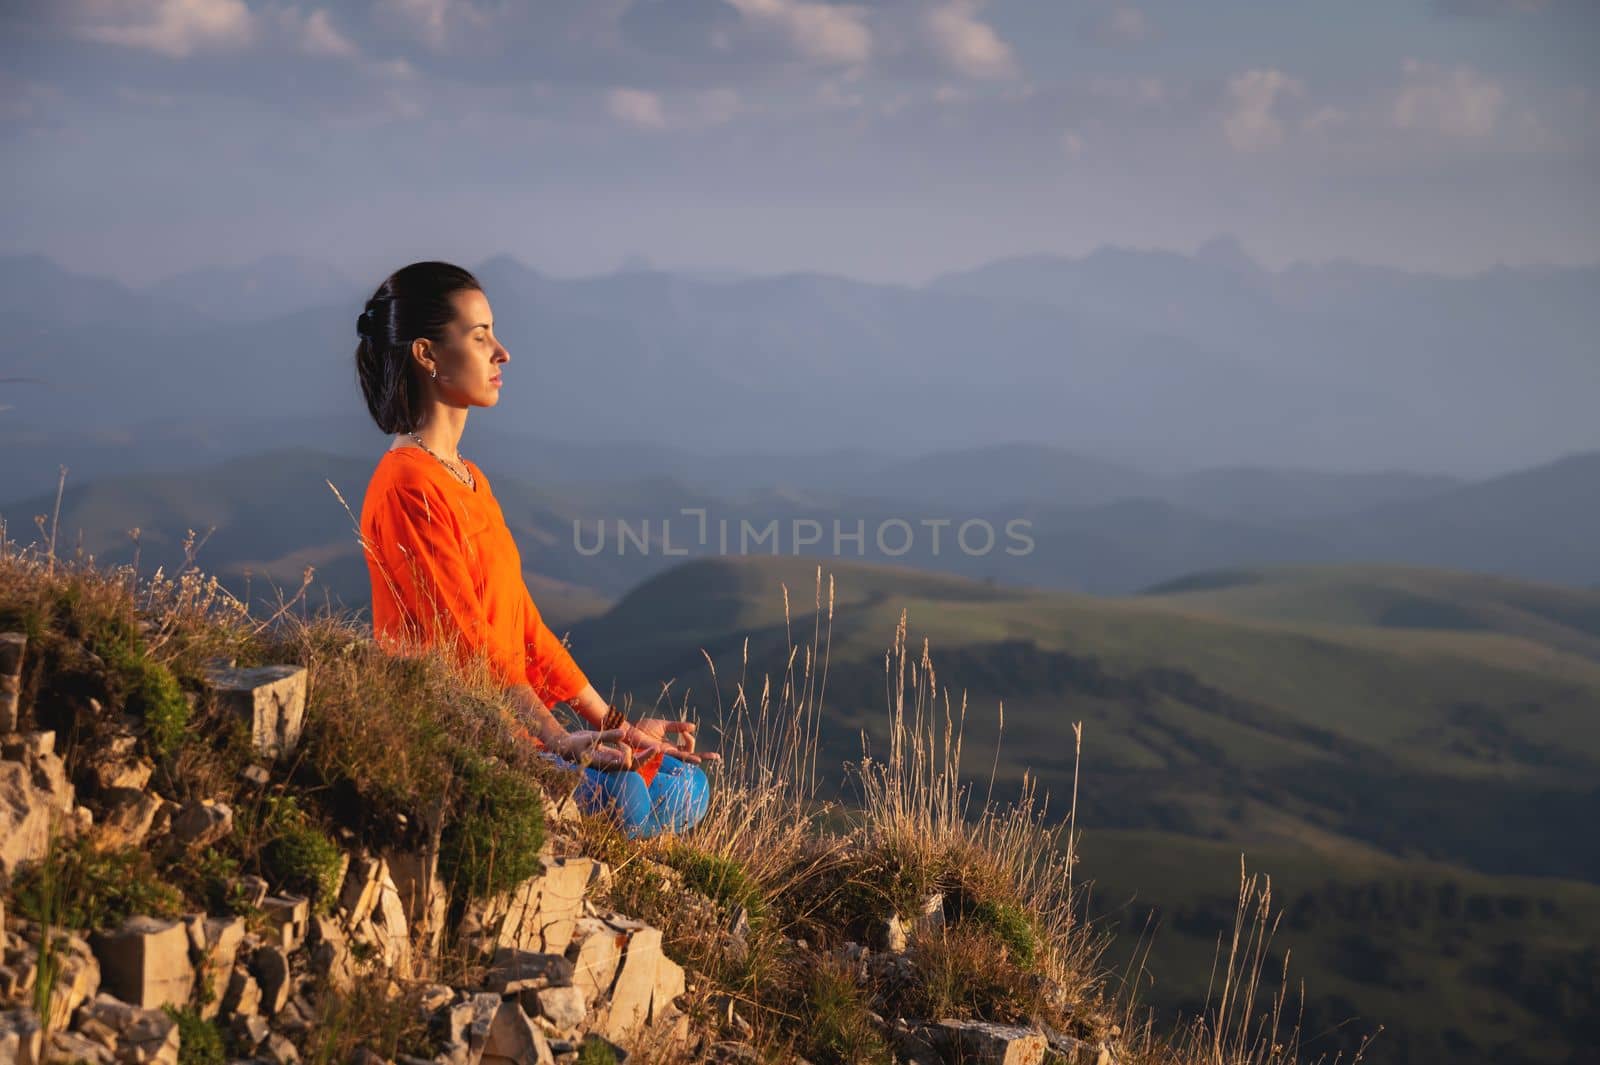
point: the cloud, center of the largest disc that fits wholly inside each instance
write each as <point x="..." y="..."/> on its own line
<point x="318" y="36"/>
<point x="1140" y="91"/>
<point x="1489" y="7"/>
<point x="435" y="20"/>
<point x="716" y="106"/>
<point x="635" y="107"/>
<point x="1458" y="102"/>
<point x="968" y="44"/>
<point x="1325" y="118"/>
<point x="177" y="28"/>
<point x="1251" y="125"/>
<point x="1122" y="24"/>
<point x="821" y="33"/>
<point x="691" y="110"/>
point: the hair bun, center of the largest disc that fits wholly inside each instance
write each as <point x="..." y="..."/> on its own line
<point x="364" y="323"/>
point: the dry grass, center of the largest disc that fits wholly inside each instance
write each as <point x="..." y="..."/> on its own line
<point x="1246" y="1021"/>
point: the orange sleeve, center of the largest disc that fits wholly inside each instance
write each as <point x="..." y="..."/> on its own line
<point x="554" y="675"/>
<point x="422" y="549"/>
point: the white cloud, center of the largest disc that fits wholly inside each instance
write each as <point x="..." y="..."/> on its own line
<point x="967" y="43"/>
<point x="643" y="109"/>
<point x="1122" y="24"/>
<point x="397" y="69"/>
<point x="1141" y="90"/>
<point x="435" y="20"/>
<point x="177" y="28"/>
<point x="1251" y="124"/>
<point x="636" y="108"/>
<point x="716" y="106"/>
<point x="1325" y="118"/>
<point x="1457" y="102"/>
<point x="318" y="36"/>
<point x="834" y="95"/>
<point x="822" y="33"/>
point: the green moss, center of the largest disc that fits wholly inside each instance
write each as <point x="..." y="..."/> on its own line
<point x="637" y="888"/>
<point x="200" y="1041"/>
<point x="1011" y="925"/>
<point x="148" y="688"/>
<point x="596" y="1052"/>
<point x="299" y="854"/>
<point x="491" y="841"/>
<point x="218" y="874"/>
<point x="79" y="887"/>
<point x="718" y="878"/>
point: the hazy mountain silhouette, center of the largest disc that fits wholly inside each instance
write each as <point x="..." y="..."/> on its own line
<point x="1155" y="359"/>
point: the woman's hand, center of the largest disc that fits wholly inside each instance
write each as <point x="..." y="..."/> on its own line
<point x="587" y="747"/>
<point x="651" y="734"/>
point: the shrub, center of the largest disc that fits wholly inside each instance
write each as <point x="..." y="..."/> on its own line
<point x="366" y="1015"/>
<point x="80" y="887"/>
<point x="596" y="1052"/>
<point x="1011" y="925"/>
<point x="839" y="1024"/>
<point x="492" y="840"/>
<point x="958" y="973"/>
<point x="719" y="878"/>
<point x="299" y="854"/>
<point x="148" y="689"/>
<point x="200" y="1041"/>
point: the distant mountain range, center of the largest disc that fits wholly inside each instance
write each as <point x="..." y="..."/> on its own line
<point x="273" y="512"/>
<point x="1155" y="359"/>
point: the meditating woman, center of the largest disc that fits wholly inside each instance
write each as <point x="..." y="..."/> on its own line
<point x="443" y="564"/>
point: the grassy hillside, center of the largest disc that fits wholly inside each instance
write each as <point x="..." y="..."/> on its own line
<point x="1456" y="966"/>
<point x="1389" y="772"/>
<point x="1397" y="597"/>
<point x="1302" y="688"/>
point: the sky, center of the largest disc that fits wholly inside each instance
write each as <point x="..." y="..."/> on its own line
<point x="890" y="141"/>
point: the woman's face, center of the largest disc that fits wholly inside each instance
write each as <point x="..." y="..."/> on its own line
<point x="469" y="358"/>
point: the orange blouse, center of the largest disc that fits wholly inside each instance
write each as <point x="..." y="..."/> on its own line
<point x="456" y="572"/>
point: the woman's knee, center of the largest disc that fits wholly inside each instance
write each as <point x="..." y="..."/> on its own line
<point x="681" y="794"/>
<point x="624" y="791"/>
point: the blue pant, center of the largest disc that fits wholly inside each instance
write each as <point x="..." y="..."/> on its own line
<point x="674" y="801"/>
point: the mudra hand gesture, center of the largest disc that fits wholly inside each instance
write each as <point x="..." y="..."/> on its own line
<point x="603" y="749"/>
<point x="651" y="735"/>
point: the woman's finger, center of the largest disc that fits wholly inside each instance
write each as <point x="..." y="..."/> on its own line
<point x="608" y="758"/>
<point x="685" y="731"/>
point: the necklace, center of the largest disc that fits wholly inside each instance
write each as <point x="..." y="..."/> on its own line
<point x="469" y="480"/>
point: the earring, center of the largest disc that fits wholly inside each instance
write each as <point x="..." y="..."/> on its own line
<point x="435" y="373"/>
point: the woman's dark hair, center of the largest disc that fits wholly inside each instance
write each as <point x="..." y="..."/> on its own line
<point x="412" y="302"/>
